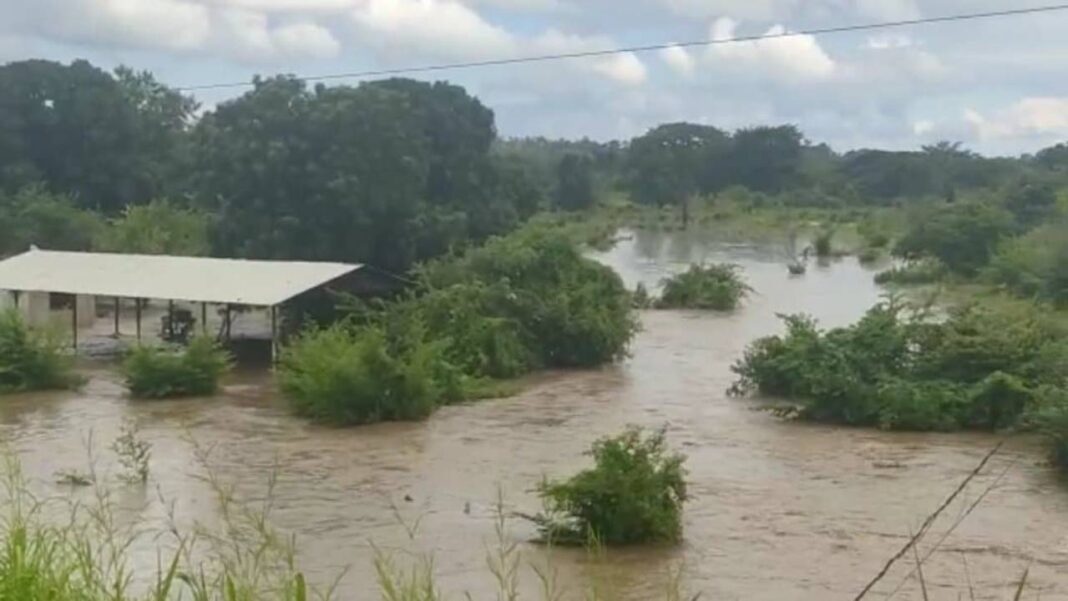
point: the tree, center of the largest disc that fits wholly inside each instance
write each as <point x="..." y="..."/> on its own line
<point x="574" y="183"/>
<point x="34" y="216"/>
<point x="963" y="236"/>
<point x="81" y="132"/>
<point x="330" y="174"/>
<point x="1031" y="204"/>
<point x="158" y="228"/>
<point x="766" y="159"/>
<point x="671" y="163"/>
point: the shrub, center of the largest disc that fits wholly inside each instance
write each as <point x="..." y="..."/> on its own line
<point x="915" y="273"/>
<point x="962" y="236"/>
<point x="156" y="373"/>
<point x="345" y="376"/>
<point x="870" y="254"/>
<point x="1034" y="265"/>
<point x="717" y="287"/>
<point x="569" y="311"/>
<point x="633" y="494"/>
<point x="978" y="368"/>
<point x="823" y="243"/>
<point x="31" y="358"/>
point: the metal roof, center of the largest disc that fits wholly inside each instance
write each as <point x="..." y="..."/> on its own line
<point x="234" y="281"/>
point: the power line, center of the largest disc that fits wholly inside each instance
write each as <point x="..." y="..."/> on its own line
<point x="654" y="47"/>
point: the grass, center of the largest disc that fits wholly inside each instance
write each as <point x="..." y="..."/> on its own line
<point x="156" y="373"/>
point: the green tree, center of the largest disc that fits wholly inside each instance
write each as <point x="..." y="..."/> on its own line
<point x="766" y="159"/>
<point x="1031" y="203"/>
<point x="34" y="216"/>
<point x="82" y="133"/>
<point x="158" y="228"/>
<point x="574" y="183"/>
<point x="963" y="236"/>
<point x="672" y="162"/>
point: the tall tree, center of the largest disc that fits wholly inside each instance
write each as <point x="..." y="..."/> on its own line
<point x="80" y="132"/>
<point x="767" y="159"/>
<point x="574" y="183"/>
<point x="671" y="163"/>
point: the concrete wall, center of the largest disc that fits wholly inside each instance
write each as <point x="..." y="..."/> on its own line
<point x="35" y="307"/>
<point x="86" y="310"/>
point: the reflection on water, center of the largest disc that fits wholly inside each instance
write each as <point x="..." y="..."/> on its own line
<point x="780" y="510"/>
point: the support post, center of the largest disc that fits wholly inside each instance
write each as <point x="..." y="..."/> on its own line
<point x="170" y="320"/>
<point x="274" y="334"/>
<point x="137" y="304"/>
<point x="204" y="318"/>
<point x="74" y="323"/>
<point x="229" y="323"/>
<point x="117" y="309"/>
<point x="16" y="294"/>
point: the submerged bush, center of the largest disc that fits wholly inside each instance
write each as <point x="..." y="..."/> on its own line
<point x="31" y="358"/>
<point x="977" y="368"/>
<point x="345" y="376"/>
<point x="822" y="244"/>
<point x="633" y="494"/>
<point x="157" y="373"/>
<point x="718" y="287"/>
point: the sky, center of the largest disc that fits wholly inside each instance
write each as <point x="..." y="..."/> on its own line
<point x="996" y="85"/>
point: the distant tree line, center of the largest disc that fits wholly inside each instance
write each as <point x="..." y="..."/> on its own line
<point x="396" y="171"/>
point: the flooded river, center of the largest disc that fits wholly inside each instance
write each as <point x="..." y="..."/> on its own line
<point x="780" y="511"/>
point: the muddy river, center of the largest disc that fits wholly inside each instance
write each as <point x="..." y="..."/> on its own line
<point x="779" y="511"/>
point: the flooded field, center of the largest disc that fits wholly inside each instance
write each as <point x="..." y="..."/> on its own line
<point x="780" y="510"/>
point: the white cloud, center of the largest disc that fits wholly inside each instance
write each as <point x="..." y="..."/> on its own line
<point x="679" y="60"/>
<point x="625" y="68"/>
<point x="889" y="10"/>
<point x="168" y="24"/>
<point x="304" y="7"/>
<point x="889" y="41"/>
<point x="798" y="56"/>
<point x="1029" y="117"/>
<point x="923" y="127"/>
<point x="305" y="39"/>
<point x="760" y="10"/>
<point x="442" y="28"/>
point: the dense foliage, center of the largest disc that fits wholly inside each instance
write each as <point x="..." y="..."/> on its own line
<point x="31" y="358"/>
<point x="158" y="228"/>
<point x="157" y="373"/>
<point x="633" y="494"/>
<point x="1035" y="265"/>
<point x="719" y="287"/>
<point x="348" y="376"/>
<point x="521" y="302"/>
<point x="978" y="368"/>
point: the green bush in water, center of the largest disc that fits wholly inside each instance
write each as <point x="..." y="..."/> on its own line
<point x="346" y="376"/>
<point x="717" y="287"/>
<point x="159" y="373"/>
<point x="979" y="367"/>
<point x="633" y="494"/>
<point x="31" y="358"/>
<point x="823" y="243"/>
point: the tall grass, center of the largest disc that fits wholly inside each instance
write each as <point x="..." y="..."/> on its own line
<point x="32" y="358"/>
<point x="156" y="373"/>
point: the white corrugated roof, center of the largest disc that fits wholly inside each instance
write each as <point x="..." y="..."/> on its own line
<point x="235" y="281"/>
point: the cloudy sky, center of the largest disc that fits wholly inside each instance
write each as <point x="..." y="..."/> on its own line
<point x="997" y="85"/>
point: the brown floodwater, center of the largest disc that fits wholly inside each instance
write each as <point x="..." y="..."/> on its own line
<point x="780" y="510"/>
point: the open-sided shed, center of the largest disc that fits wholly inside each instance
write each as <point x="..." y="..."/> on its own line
<point x="228" y="282"/>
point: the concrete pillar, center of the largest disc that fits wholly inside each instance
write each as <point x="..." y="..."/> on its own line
<point x="36" y="308"/>
<point x="86" y="310"/>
